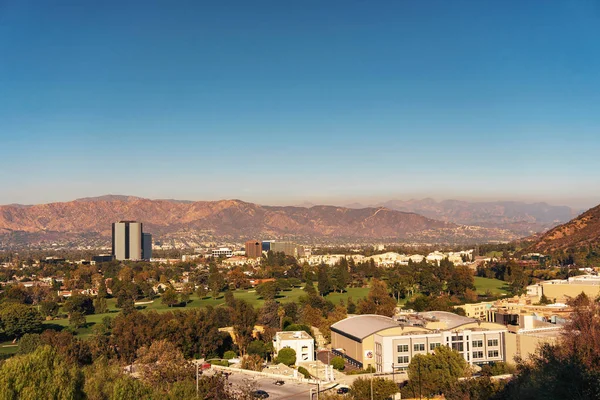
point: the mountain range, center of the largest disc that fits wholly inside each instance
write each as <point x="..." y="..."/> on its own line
<point x="582" y="231"/>
<point x="234" y="219"/>
<point x="521" y="218"/>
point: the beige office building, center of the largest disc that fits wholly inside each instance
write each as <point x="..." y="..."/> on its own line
<point x="388" y="344"/>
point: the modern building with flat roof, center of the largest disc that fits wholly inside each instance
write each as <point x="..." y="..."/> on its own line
<point x="389" y="344"/>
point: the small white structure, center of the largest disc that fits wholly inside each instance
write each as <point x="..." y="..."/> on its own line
<point x="300" y="341"/>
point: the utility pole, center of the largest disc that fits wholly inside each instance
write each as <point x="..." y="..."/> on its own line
<point x="419" y="363"/>
<point x="197" y="391"/>
<point x="371" y="386"/>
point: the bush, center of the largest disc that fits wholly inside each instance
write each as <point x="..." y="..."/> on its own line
<point x="304" y="372"/>
<point x="222" y="363"/>
<point x="286" y="356"/>
<point x="229" y="354"/>
<point x="338" y="363"/>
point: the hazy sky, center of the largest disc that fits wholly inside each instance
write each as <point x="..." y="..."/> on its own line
<point x="292" y="101"/>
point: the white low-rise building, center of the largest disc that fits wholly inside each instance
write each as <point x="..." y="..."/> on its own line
<point x="300" y="341"/>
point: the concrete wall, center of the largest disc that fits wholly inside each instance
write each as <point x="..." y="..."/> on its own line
<point x="523" y="345"/>
<point x="561" y="292"/>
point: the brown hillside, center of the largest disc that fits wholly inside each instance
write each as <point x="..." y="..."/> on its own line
<point x="581" y="231"/>
<point x="226" y="217"/>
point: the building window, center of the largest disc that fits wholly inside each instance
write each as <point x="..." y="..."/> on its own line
<point x="457" y="338"/>
<point x="493" y="342"/>
<point x="402" y="348"/>
<point x="477" y="354"/>
<point x="402" y="359"/>
<point x="477" y="343"/>
<point x="492" y="353"/>
<point x="432" y="346"/>
<point x="419" y="346"/>
<point x="458" y="346"/>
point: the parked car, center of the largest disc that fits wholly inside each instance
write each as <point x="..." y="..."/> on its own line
<point x="280" y="383"/>
<point x="260" y="394"/>
<point x="343" y="390"/>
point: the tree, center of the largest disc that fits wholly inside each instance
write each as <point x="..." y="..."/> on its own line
<point x="378" y="300"/>
<point x="100" y="305"/>
<point x="433" y="373"/>
<point x="79" y="303"/>
<point x="216" y="283"/>
<point x="229" y="299"/>
<point x="170" y="297"/>
<point x="162" y="364"/>
<point x="474" y="389"/>
<point x="460" y="280"/>
<point x="19" y="319"/>
<point x="382" y="389"/>
<point x="323" y="280"/>
<point x="201" y="291"/>
<point x="49" y="308"/>
<point x="340" y="276"/>
<point x="43" y="374"/>
<point x="268" y="290"/>
<point x="252" y="362"/>
<point x="244" y="319"/>
<point x="77" y="320"/>
<point x="286" y="356"/>
<point x="257" y="347"/>
<point x="229" y="354"/>
<point x="29" y="343"/>
<point x="126" y="388"/>
<point x="338" y="363"/>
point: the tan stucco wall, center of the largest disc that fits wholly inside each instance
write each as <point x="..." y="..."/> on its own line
<point x="524" y="345"/>
<point x="561" y="292"/>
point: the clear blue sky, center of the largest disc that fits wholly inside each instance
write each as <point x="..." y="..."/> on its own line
<point x="292" y="101"/>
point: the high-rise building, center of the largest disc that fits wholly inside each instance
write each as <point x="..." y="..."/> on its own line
<point x="127" y="240"/>
<point x="146" y="246"/>
<point x="253" y="249"/>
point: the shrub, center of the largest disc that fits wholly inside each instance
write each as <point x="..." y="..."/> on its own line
<point x="304" y="372"/>
<point x="338" y="363"/>
<point x="229" y="354"/>
<point x="286" y="356"/>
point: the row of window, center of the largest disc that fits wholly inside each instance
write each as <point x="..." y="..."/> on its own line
<point x="476" y="355"/>
<point x="491" y="354"/>
<point x="403" y="348"/>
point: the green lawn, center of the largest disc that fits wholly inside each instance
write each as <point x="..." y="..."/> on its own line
<point x="496" y="286"/>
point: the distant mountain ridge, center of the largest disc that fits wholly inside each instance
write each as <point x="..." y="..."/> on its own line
<point x="519" y="217"/>
<point x="580" y="232"/>
<point x="231" y="218"/>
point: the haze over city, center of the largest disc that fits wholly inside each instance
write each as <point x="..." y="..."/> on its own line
<point x="327" y="102"/>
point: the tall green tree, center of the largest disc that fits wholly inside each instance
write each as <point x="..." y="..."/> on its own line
<point x="323" y="281"/>
<point x="43" y="374"/>
<point x="432" y="374"/>
<point x="18" y="319"/>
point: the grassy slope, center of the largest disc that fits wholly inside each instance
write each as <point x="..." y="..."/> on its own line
<point x="494" y="285"/>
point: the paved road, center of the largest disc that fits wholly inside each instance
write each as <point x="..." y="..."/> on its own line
<point x="291" y="390"/>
